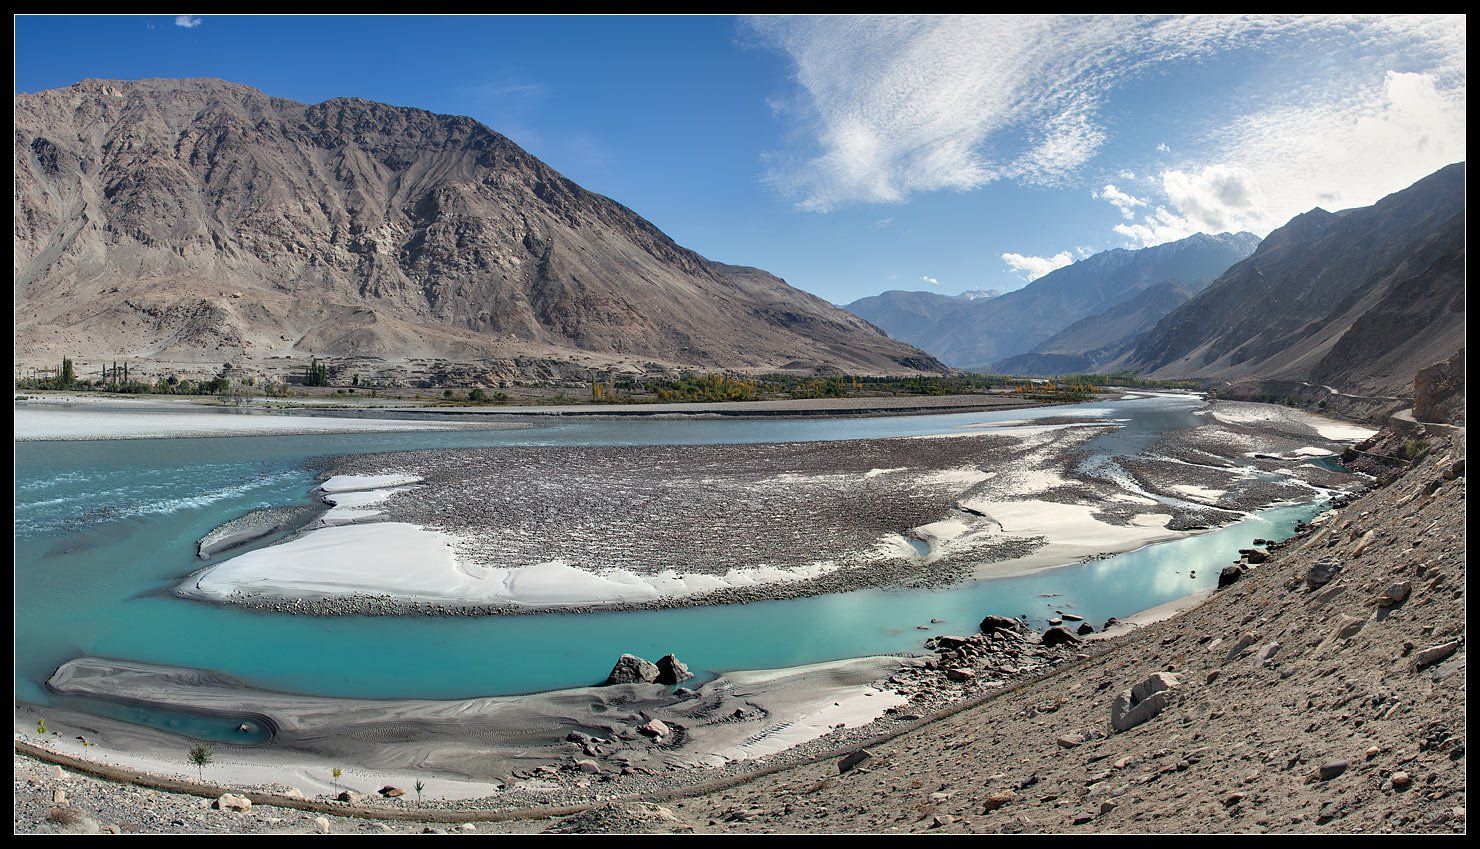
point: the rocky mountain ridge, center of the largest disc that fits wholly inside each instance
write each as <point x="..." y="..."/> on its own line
<point x="201" y="220"/>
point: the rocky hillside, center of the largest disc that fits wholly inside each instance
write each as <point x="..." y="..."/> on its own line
<point x="1322" y="690"/>
<point x="199" y="220"/>
<point x="1085" y="344"/>
<point x="1358" y="300"/>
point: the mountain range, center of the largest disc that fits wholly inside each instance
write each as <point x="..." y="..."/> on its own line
<point x="203" y="221"/>
<point x="1358" y="300"/>
<point x="979" y="333"/>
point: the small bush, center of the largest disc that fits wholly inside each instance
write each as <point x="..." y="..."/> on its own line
<point x="62" y="815"/>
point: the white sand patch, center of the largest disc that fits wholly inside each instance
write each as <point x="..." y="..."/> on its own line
<point x="1202" y="492"/>
<point x="873" y="473"/>
<point x="1311" y="451"/>
<point x="356" y="505"/>
<point x="33" y="423"/>
<point x="1127" y="498"/>
<point x="1072" y="531"/>
<point x="1236" y="412"/>
<point x="412" y="563"/>
<point x="355" y="483"/>
<point x="962" y="477"/>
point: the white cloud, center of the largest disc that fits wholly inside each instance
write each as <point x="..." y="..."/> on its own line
<point x="887" y="107"/>
<point x="1126" y="203"/>
<point x="1031" y="268"/>
<point x="882" y="223"/>
<point x="1289" y="159"/>
<point x="188" y="21"/>
<point x="931" y="280"/>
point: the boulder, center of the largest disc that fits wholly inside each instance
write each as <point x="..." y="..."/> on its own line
<point x="1143" y="701"/>
<point x="1395" y="594"/>
<point x="997" y="800"/>
<point x="1071" y="617"/>
<point x="1321" y="572"/>
<point x="1434" y="654"/>
<point x="671" y="670"/>
<point x="654" y="728"/>
<point x="350" y="796"/>
<point x="232" y="802"/>
<point x="1256" y="556"/>
<point x="1229" y="575"/>
<point x="631" y="669"/>
<point x="1058" y="635"/>
<point x="853" y="759"/>
<point x="960" y="674"/>
<point x="391" y="792"/>
<point x="1085" y="629"/>
<point x="993" y="623"/>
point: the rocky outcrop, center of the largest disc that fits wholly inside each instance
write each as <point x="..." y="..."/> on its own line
<point x="1139" y="703"/>
<point x="631" y="669"/>
<point x="1439" y="391"/>
<point x="671" y="670"/>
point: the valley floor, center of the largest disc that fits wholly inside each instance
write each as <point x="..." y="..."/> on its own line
<point x="1322" y="691"/>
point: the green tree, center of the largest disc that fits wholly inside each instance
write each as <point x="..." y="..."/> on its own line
<point x="419" y="787"/>
<point x="336" y="771"/>
<point x="477" y="394"/>
<point x="68" y="376"/>
<point x="200" y="755"/>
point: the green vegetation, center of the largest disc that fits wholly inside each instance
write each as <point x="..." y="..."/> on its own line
<point x="200" y="755"/>
<point x="316" y="373"/>
<point x="1415" y="449"/>
<point x="420" y="786"/>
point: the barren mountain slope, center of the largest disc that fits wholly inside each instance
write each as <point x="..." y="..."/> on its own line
<point x="1359" y="299"/>
<point x="203" y="220"/>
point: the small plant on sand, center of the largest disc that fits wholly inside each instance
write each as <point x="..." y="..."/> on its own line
<point x="200" y="755"/>
<point x="41" y="725"/>
<point x="336" y="771"/>
<point x="63" y="815"/>
<point x="420" y="786"/>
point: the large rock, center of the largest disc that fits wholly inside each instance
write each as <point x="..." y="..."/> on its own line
<point x="853" y="759"/>
<point x="1321" y="572"/>
<point x="993" y="623"/>
<point x="631" y="669"/>
<point x="232" y="802"/>
<point x="671" y="670"/>
<point x="1143" y="701"/>
<point x="654" y="728"/>
<point x="1229" y="576"/>
<point x="1058" y="635"/>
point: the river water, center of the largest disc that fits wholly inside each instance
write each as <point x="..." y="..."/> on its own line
<point x="104" y="528"/>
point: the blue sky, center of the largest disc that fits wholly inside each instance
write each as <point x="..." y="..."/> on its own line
<point x="860" y="154"/>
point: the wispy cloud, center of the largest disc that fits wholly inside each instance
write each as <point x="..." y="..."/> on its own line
<point x="189" y="21"/>
<point x="1122" y="201"/>
<point x="512" y="89"/>
<point x="931" y="280"/>
<point x="1289" y="159"/>
<point x="1031" y="268"/>
<point x="889" y="107"/>
<point x="882" y="223"/>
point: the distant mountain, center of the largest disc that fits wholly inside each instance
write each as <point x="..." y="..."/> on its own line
<point x="982" y="332"/>
<point x="1358" y="300"/>
<point x="203" y="221"/>
<point x="980" y="294"/>
<point x="1082" y="346"/>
